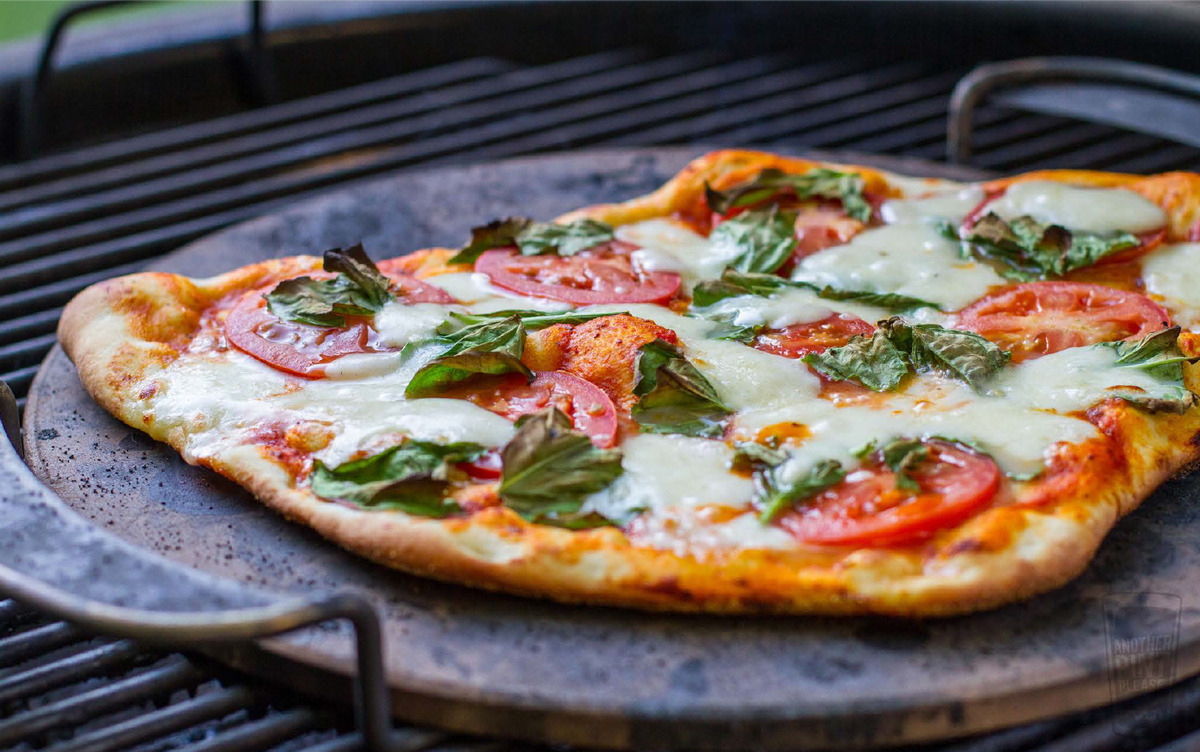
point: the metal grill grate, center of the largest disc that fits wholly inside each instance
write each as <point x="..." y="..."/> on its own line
<point x="65" y="691"/>
<point x="69" y="220"/>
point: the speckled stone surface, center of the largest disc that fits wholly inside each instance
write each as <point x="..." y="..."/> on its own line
<point x="487" y="662"/>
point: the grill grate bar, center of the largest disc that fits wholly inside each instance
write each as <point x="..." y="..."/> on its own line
<point x="12" y="612"/>
<point x="285" y="132"/>
<point x="843" y="133"/>
<point x="484" y="111"/>
<point x="1111" y="149"/>
<point x="148" y="144"/>
<point x="26" y="353"/>
<point x="261" y="734"/>
<point x="23" y="327"/>
<point x="64" y="671"/>
<point x="721" y="119"/>
<point x="163" y="721"/>
<point x="1049" y="146"/>
<point x="20" y="380"/>
<point x="404" y="740"/>
<point x="662" y="106"/>
<point x="31" y="642"/>
<point x="303" y="134"/>
<point x="856" y="105"/>
<point x="172" y="674"/>
<point x="1159" y="158"/>
<point x="58" y="292"/>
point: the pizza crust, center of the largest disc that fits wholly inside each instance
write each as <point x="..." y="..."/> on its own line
<point x="119" y="333"/>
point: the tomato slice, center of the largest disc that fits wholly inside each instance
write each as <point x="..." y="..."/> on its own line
<point x="605" y="274"/>
<point x="821" y="228"/>
<point x="799" y="340"/>
<point x="304" y="350"/>
<point x="589" y="408"/>
<point x="410" y="290"/>
<point x="1147" y="241"/>
<point x="868" y="509"/>
<point x="1039" y="318"/>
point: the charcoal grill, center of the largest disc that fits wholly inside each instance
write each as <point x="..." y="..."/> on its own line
<point x="640" y="75"/>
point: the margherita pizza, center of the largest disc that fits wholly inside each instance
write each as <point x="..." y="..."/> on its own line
<point x="771" y="385"/>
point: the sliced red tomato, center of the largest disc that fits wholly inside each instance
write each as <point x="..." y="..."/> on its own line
<point x="1039" y="318"/>
<point x="487" y="466"/>
<point x="867" y="509"/>
<point x="410" y="290"/>
<point x="589" y="408"/>
<point x="605" y="274"/>
<point x="822" y="228"/>
<point x="799" y="340"/>
<point x="304" y="350"/>
<point x="298" y="349"/>
<point x="1147" y="241"/>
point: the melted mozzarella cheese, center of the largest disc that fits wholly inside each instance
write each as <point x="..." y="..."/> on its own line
<point x="369" y="420"/>
<point x="1096" y="210"/>
<point x="786" y="308"/>
<point x="362" y="365"/>
<point x="664" y="472"/>
<point x="909" y="259"/>
<point x="949" y="206"/>
<point x="1069" y="380"/>
<point x="399" y="324"/>
<point x="664" y="245"/>
<point x="358" y="411"/>
<point x="1016" y="436"/>
<point x="479" y="295"/>
<point x="1173" y="272"/>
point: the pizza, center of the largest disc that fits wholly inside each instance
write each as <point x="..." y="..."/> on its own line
<point x="771" y="385"/>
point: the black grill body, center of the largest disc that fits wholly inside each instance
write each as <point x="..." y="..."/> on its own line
<point x="148" y="134"/>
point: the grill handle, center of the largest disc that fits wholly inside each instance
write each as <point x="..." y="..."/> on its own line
<point x="36" y="519"/>
<point x="1160" y="102"/>
<point x="258" y="79"/>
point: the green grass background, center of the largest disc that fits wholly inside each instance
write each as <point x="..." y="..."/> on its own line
<point x="23" y="18"/>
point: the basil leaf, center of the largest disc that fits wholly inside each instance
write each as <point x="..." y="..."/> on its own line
<point x="565" y="240"/>
<point x="764" y="239"/>
<point x="747" y="455"/>
<point x="531" y="320"/>
<point x="734" y="283"/>
<point x="1034" y="250"/>
<point x="360" y="289"/>
<point x="1157" y="354"/>
<point x="492" y="348"/>
<point x="902" y="455"/>
<point x="534" y="238"/>
<point x="728" y="330"/>
<point x="774" y="495"/>
<point x="673" y="396"/>
<point x="880" y="361"/>
<point x="411" y="478"/>
<point x="965" y="356"/>
<point x="874" y="361"/>
<point x="818" y="182"/>
<point x="550" y="469"/>
<point x="887" y="300"/>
